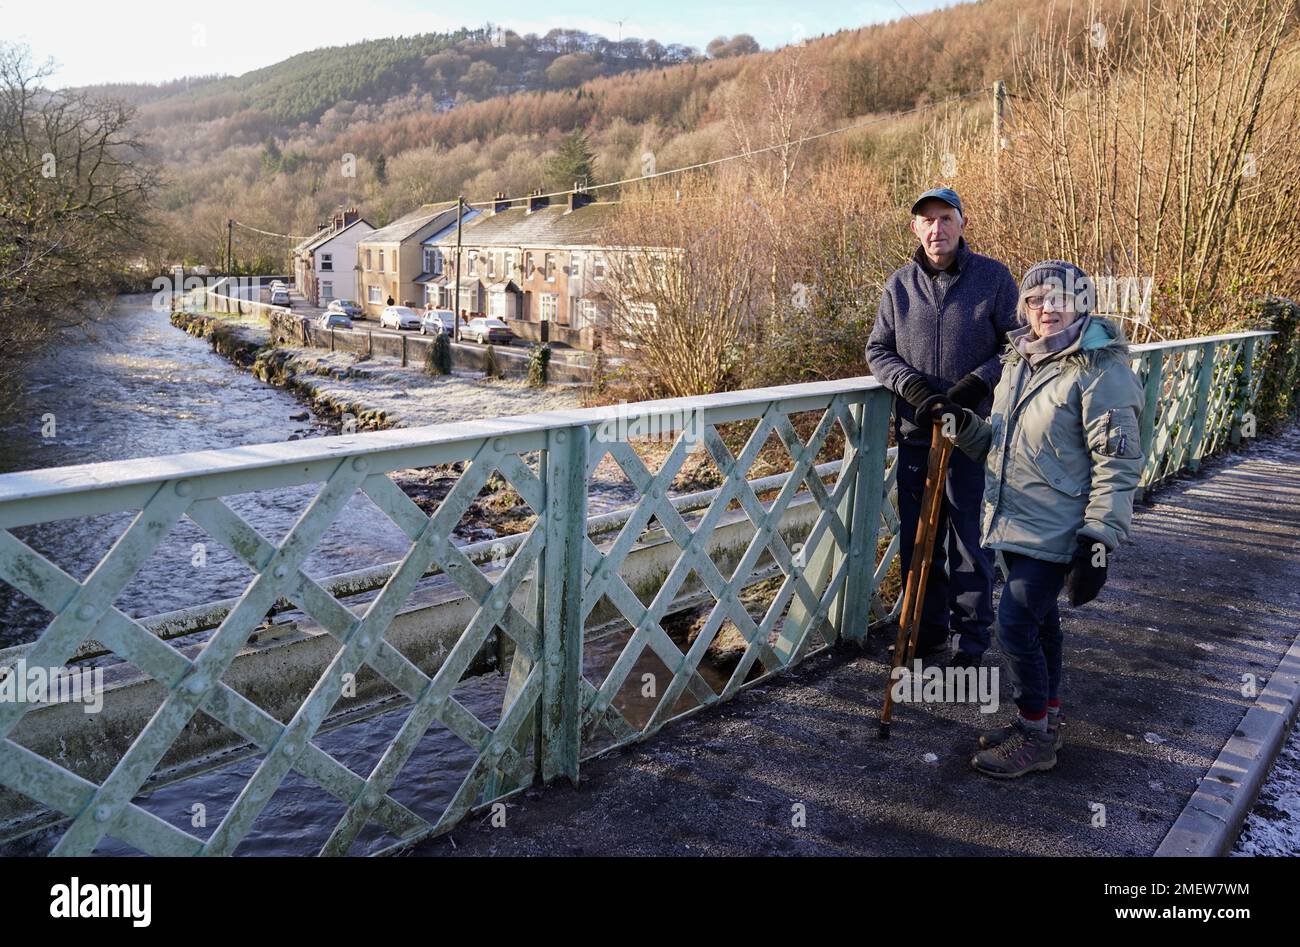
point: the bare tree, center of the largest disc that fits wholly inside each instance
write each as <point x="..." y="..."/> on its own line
<point x="73" y="194"/>
<point x="682" y="286"/>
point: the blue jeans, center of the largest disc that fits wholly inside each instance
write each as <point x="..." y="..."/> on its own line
<point x="1029" y="630"/>
<point x="959" y="591"/>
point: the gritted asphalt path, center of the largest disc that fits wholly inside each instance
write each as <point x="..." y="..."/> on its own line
<point x="1206" y="591"/>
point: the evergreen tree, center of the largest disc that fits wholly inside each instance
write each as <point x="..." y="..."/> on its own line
<point x="574" y="162"/>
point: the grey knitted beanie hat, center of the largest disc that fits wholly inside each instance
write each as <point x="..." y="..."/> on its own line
<point x="1063" y="277"/>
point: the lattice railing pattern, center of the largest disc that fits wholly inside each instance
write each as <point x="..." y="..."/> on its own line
<point x="548" y="705"/>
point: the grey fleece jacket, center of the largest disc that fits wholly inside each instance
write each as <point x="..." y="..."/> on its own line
<point x="942" y="328"/>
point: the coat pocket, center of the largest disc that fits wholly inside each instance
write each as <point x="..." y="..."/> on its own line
<point x="1058" y="474"/>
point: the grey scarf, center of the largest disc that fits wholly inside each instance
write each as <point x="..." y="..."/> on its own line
<point x="1039" y="349"/>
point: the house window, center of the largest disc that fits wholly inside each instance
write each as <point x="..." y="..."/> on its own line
<point x="437" y="262"/>
<point x="381" y="261"/>
<point x="575" y="266"/>
<point x="491" y="265"/>
<point x="588" y="314"/>
<point x="327" y="262"/>
<point x="374" y="295"/>
<point x="497" y="305"/>
<point x="429" y="256"/>
<point x="510" y="264"/>
<point x="368" y="259"/>
<point x="326" y="290"/>
<point x="473" y="262"/>
<point x="528" y="264"/>
<point x="598" y="267"/>
<point x="549" y="303"/>
<point x="550" y="267"/>
<point x="432" y="296"/>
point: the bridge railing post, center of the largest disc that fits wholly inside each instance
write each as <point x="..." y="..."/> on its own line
<point x="868" y="494"/>
<point x="1242" y="396"/>
<point x="560" y="572"/>
<point x="1152" y="385"/>
<point x="1204" y="381"/>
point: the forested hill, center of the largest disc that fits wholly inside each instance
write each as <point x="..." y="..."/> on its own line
<point x="452" y="68"/>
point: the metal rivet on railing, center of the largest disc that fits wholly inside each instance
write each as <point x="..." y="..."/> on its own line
<point x="365" y="641"/>
<point x="372" y="797"/>
<point x="102" y="813"/>
<point x="359" y="464"/>
<point x="184" y="488"/>
<point x="195" y="684"/>
<point x="290" y="748"/>
<point x="498" y="443"/>
<point x="559" y="437"/>
<point x="499" y="602"/>
<point x="85" y="612"/>
<point x="280" y="571"/>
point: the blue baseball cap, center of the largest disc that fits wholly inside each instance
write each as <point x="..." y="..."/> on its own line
<point x="945" y="194"/>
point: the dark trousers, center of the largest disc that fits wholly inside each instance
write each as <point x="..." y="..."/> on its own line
<point x="1029" y="630"/>
<point x="959" y="591"/>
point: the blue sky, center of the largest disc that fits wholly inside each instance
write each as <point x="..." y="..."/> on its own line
<point x="156" y="40"/>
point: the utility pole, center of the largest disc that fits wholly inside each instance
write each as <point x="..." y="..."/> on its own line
<point x="999" y="115"/>
<point x="455" y="307"/>
<point x="999" y="142"/>
<point x="230" y="260"/>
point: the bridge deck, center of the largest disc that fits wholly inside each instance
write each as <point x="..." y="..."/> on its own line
<point x="1208" y="590"/>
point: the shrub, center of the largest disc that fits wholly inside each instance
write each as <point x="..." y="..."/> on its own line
<point x="539" y="366"/>
<point x="437" y="360"/>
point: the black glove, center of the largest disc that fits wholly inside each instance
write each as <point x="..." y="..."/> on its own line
<point x="970" y="391"/>
<point x="1086" y="578"/>
<point x="935" y="407"/>
<point x="916" y="390"/>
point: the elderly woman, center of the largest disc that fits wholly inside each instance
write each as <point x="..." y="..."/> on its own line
<point x="1062" y="459"/>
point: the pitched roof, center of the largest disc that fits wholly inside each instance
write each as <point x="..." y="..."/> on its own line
<point x="411" y="225"/>
<point x="551" y="226"/>
<point x="326" y="235"/>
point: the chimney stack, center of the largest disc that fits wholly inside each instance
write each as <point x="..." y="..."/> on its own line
<point x="578" y="197"/>
<point x="499" y="203"/>
<point x="536" y="201"/>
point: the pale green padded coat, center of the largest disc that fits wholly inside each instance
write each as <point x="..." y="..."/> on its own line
<point x="1062" y="449"/>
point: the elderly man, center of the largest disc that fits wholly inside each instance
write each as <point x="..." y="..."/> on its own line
<point x="940" y="329"/>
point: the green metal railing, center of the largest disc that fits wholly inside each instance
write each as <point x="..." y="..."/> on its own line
<point x="1199" y="396"/>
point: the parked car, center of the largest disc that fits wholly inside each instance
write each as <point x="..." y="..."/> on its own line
<point x="334" y="320"/>
<point x="280" y="297"/>
<point x="436" y="321"/>
<point x="400" y="317"/>
<point x="487" y="330"/>
<point x="347" y="307"/>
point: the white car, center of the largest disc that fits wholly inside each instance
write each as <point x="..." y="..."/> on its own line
<point x="437" y="321"/>
<point x="400" y="317"/>
<point x="280" y="297"/>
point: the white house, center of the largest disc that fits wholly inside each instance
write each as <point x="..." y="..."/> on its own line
<point x="324" y="265"/>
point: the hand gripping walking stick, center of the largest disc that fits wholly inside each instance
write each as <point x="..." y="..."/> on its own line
<point x="927" y="526"/>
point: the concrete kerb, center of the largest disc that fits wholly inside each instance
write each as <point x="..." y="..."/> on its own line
<point x="1212" y="819"/>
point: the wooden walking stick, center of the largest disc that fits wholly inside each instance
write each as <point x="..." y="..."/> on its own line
<point x="927" y="526"/>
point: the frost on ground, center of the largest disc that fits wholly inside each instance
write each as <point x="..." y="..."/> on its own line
<point x="1273" y="826"/>
<point x="412" y="398"/>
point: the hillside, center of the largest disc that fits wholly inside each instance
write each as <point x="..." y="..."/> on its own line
<point x="475" y="112"/>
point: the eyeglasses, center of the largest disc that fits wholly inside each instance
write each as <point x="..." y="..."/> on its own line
<point x="1058" y="301"/>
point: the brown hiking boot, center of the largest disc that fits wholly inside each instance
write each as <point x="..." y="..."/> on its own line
<point x="1023" y="751"/>
<point x="991" y="738"/>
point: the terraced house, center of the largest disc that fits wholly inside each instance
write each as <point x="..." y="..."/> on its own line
<point x="540" y="267"/>
<point x="324" y="263"/>
<point x="391" y="261"/>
